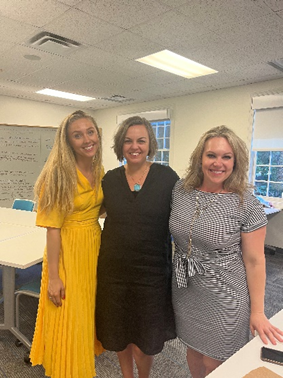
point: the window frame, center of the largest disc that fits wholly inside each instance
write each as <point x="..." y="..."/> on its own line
<point x="166" y="126"/>
<point x="268" y="181"/>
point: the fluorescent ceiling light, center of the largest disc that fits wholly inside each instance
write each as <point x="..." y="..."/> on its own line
<point x="69" y="96"/>
<point x="168" y="61"/>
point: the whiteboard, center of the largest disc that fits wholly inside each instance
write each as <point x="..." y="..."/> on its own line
<point x="23" y="152"/>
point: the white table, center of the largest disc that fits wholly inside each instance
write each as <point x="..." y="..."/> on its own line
<point x="21" y="246"/>
<point x="248" y="358"/>
<point x="271" y="210"/>
<point x="274" y="237"/>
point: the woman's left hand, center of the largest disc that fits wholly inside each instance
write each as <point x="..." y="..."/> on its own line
<point x="266" y="331"/>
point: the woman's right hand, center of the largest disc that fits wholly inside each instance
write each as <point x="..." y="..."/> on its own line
<point x="56" y="291"/>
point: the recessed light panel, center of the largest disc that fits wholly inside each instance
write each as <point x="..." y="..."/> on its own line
<point x="66" y="95"/>
<point x="168" y="61"/>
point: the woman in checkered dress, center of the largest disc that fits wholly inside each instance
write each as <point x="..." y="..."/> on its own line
<point x="218" y="228"/>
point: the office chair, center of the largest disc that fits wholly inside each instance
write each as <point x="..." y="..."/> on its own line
<point x="31" y="289"/>
<point x="23" y="204"/>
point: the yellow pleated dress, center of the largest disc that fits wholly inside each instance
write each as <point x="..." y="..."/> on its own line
<point x="64" y="340"/>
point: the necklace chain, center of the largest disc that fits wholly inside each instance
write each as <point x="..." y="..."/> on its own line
<point x="198" y="211"/>
<point x="137" y="183"/>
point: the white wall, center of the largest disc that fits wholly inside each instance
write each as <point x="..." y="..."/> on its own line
<point x="191" y="116"/>
<point x="31" y="113"/>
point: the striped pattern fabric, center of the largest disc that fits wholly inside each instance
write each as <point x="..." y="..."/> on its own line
<point x="210" y="293"/>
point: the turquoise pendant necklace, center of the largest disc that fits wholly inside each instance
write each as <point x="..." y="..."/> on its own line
<point x="137" y="183"/>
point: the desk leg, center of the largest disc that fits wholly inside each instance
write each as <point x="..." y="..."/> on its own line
<point x="8" y="280"/>
<point x="9" y="304"/>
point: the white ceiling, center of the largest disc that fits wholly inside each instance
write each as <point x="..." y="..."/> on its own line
<point x="235" y="37"/>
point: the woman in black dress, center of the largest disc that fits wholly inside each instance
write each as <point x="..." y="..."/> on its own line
<point x="134" y="311"/>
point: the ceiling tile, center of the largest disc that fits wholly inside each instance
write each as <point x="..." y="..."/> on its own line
<point x="23" y="66"/>
<point x="96" y="57"/>
<point x="110" y="61"/>
<point x="173" y="3"/>
<point x="257" y="70"/>
<point x="69" y="2"/>
<point x="276" y="5"/>
<point x="34" y="13"/>
<point x="170" y="28"/>
<point x="18" y="86"/>
<point x="266" y="28"/>
<point x="4" y="46"/>
<point x="123" y="13"/>
<point x="15" y="31"/>
<point x="219" y="14"/>
<point x="129" y="45"/>
<point x="237" y="38"/>
<point x="82" y="27"/>
<point x="45" y="78"/>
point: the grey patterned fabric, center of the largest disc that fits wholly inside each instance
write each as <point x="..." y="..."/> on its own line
<point x="210" y="293"/>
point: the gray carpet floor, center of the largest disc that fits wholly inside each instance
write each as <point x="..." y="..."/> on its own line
<point x="170" y="363"/>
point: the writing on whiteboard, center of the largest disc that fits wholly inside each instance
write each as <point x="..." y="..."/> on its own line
<point x="23" y="153"/>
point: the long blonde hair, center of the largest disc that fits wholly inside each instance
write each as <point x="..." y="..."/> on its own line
<point x="57" y="182"/>
<point x="237" y="182"/>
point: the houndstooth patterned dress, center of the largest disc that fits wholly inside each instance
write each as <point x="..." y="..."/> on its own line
<point x="210" y="294"/>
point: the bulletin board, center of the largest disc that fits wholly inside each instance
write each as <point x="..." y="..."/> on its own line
<point x="23" y="153"/>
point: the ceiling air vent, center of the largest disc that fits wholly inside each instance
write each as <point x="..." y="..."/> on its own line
<point x="116" y="98"/>
<point x="53" y="43"/>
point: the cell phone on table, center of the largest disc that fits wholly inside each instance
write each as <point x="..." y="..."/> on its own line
<point x="272" y="355"/>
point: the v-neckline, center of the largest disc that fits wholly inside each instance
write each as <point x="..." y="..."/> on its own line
<point x="85" y="178"/>
<point x="128" y="186"/>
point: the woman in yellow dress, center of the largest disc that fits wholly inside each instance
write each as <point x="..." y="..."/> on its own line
<point x="70" y="198"/>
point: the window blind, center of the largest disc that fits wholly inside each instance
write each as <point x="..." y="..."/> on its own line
<point x="153" y="115"/>
<point x="268" y="130"/>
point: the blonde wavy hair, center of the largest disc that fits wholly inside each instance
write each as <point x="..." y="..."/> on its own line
<point x="58" y="180"/>
<point x="237" y="182"/>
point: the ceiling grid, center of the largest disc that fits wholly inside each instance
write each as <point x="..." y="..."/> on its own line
<point x="237" y="38"/>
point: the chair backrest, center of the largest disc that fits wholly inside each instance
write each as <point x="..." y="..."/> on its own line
<point x="23" y="204"/>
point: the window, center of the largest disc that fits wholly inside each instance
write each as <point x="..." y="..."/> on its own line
<point x="162" y="133"/>
<point x="267" y="145"/>
<point x="268" y="179"/>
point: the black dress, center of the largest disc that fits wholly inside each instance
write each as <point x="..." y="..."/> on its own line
<point x="133" y="302"/>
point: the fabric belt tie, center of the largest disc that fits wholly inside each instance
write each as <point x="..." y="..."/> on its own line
<point x="187" y="267"/>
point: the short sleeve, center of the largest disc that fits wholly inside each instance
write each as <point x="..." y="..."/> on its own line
<point x="254" y="216"/>
<point x="54" y="218"/>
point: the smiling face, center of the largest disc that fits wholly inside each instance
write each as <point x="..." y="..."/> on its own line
<point x="83" y="138"/>
<point x="217" y="163"/>
<point x="136" y="145"/>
